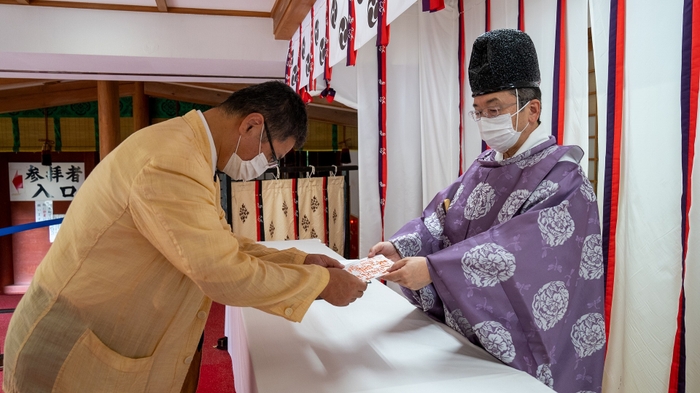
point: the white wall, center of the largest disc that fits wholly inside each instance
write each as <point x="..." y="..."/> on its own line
<point x="46" y="42"/>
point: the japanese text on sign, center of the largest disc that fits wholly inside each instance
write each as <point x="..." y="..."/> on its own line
<point x="31" y="181"/>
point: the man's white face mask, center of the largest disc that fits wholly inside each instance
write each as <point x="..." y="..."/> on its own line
<point x="238" y="169"/>
<point x="498" y="131"/>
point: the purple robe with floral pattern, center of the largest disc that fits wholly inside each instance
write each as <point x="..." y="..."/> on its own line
<point x="516" y="261"/>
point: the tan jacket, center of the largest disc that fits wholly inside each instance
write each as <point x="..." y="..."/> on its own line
<point x="120" y="300"/>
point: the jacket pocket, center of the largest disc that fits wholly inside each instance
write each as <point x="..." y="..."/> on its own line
<point x="91" y="366"/>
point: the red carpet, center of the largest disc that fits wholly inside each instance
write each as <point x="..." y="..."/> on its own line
<point x="216" y="374"/>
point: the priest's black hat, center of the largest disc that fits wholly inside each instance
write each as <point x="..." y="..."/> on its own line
<point x="503" y="59"/>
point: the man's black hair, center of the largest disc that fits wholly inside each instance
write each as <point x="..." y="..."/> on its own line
<point x="280" y="105"/>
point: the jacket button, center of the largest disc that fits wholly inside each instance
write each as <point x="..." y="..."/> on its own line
<point x="289" y="311"/>
<point x="201" y="315"/>
<point x="188" y="360"/>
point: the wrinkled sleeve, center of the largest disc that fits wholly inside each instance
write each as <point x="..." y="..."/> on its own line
<point x="421" y="237"/>
<point x="287" y="256"/>
<point x="173" y="205"/>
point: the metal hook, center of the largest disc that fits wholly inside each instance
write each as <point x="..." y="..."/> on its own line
<point x="313" y="171"/>
<point x="335" y="170"/>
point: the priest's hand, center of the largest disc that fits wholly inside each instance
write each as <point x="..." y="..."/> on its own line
<point x="411" y="273"/>
<point x="385" y="248"/>
<point x="343" y="288"/>
<point x="322" y="260"/>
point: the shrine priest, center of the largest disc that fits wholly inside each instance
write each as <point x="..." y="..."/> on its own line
<point x="510" y="254"/>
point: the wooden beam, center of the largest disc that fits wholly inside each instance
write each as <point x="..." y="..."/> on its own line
<point x="331" y="115"/>
<point x="108" y="115"/>
<point x="287" y="15"/>
<point x="162" y="5"/>
<point x="25" y="2"/>
<point x="184" y="93"/>
<point x="53" y="94"/>
<point x="123" y="7"/>
<point x="72" y="92"/>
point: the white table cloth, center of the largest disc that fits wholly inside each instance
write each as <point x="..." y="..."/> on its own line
<point x="379" y="344"/>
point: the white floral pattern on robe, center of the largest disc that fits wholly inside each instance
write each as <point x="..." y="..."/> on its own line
<point x="496" y="340"/>
<point x="544" y="374"/>
<point x="556" y="224"/>
<point x="458" y="322"/>
<point x="588" y="334"/>
<point x="512" y="204"/>
<point x="408" y="245"/>
<point x="592" y="258"/>
<point x="436" y="222"/>
<point x="549" y="304"/>
<point x="488" y="264"/>
<point x="543" y="191"/>
<point x="535" y="158"/>
<point x="480" y="201"/>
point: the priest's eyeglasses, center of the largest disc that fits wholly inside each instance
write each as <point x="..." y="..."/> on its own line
<point x="273" y="161"/>
<point x="489" y="112"/>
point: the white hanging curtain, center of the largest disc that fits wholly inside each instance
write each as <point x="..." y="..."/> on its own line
<point x="295" y="71"/>
<point x="245" y="209"/>
<point x="312" y="208"/>
<point x="396" y="8"/>
<point x="366" y="19"/>
<point x="279" y="219"/>
<point x="336" y="214"/>
<point x="409" y="110"/>
<point x="339" y="30"/>
<point x="504" y="14"/>
<point x="474" y="26"/>
<point x="439" y="96"/>
<point x="642" y="187"/>
<point x="306" y="44"/>
<point x="320" y="39"/>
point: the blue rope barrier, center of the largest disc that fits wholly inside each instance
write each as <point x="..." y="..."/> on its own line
<point x="31" y="225"/>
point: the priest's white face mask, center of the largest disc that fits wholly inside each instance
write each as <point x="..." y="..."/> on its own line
<point x="498" y="131"/>
<point x="238" y="169"/>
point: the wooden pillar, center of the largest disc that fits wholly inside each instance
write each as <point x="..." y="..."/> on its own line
<point x="7" y="275"/>
<point x="108" y="114"/>
<point x="140" y="105"/>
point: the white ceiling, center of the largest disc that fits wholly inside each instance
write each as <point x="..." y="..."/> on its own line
<point x="74" y="43"/>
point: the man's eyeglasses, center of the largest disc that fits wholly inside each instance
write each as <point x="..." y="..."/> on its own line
<point x="489" y="112"/>
<point x="274" y="161"/>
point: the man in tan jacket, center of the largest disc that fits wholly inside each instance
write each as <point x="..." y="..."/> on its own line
<point x="120" y="301"/>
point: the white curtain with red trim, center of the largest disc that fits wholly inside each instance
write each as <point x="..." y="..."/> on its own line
<point x="474" y="26"/>
<point x="647" y="244"/>
<point x="422" y="119"/>
<point x="692" y="284"/>
<point x="504" y="14"/>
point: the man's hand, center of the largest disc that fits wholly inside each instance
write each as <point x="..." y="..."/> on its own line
<point x="322" y="260"/>
<point x="411" y="273"/>
<point x="385" y="248"/>
<point x="343" y="288"/>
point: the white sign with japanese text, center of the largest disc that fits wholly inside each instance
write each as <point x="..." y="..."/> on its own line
<point x="31" y="181"/>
